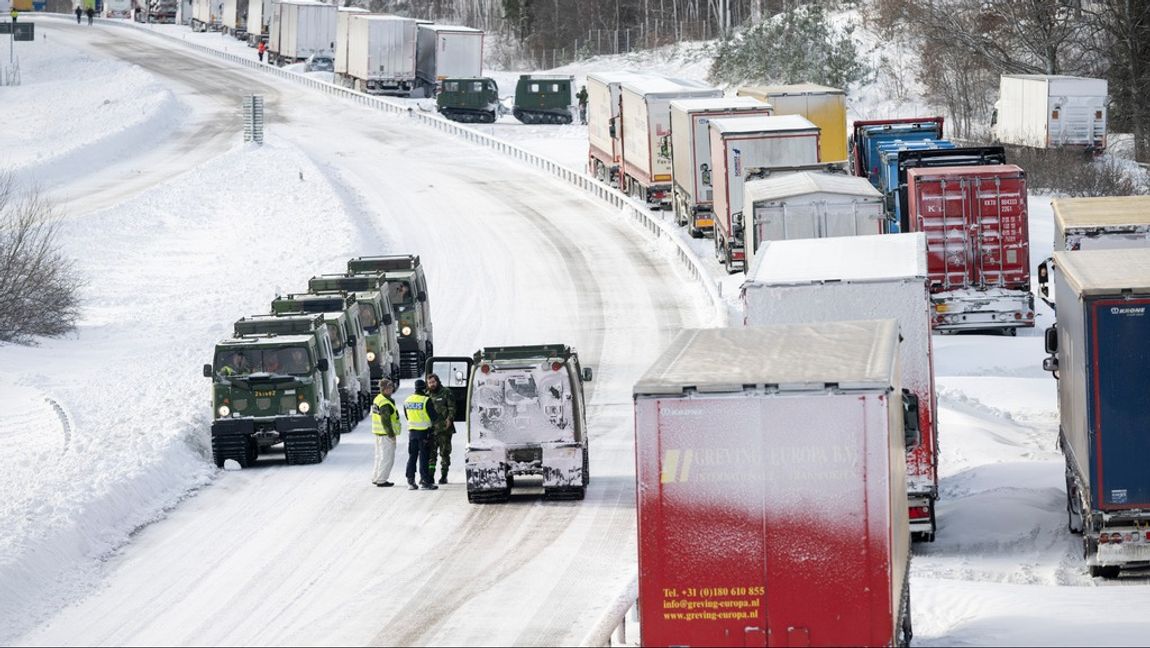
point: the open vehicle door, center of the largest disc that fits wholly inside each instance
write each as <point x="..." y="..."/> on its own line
<point x="455" y="374"/>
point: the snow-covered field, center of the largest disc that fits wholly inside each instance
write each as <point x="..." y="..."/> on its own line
<point x="116" y="529"/>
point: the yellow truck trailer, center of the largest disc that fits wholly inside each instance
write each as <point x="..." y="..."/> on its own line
<point x="823" y="106"/>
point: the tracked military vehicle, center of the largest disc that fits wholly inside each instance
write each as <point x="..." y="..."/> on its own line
<point x="375" y="318"/>
<point x="407" y="291"/>
<point x="274" y="388"/>
<point x="341" y="312"/>
<point x="469" y="100"/>
<point x="526" y="417"/>
<point x="544" y="99"/>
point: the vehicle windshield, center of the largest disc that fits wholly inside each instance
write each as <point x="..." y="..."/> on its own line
<point x="293" y="360"/>
<point x="400" y="293"/>
<point x="367" y="318"/>
<point x="523" y="405"/>
<point x="335" y="336"/>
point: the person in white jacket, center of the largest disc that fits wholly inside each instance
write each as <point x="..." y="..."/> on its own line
<point x="386" y="427"/>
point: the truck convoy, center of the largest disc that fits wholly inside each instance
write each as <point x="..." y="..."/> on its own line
<point x="275" y="388"/>
<point x="1098" y="351"/>
<point x="743" y="148"/>
<point x="544" y="99"/>
<point x="691" y="171"/>
<point x="977" y="244"/>
<point x="854" y="278"/>
<point x="407" y="291"/>
<point x="444" y="51"/>
<point x="526" y="417"/>
<point x="809" y="204"/>
<point x="645" y="130"/>
<point x="300" y="28"/>
<point x="1051" y="111"/>
<point x="1095" y="224"/>
<point x="771" y="483"/>
<point x="375" y="319"/>
<point x="822" y="106"/>
<point x="376" y="54"/>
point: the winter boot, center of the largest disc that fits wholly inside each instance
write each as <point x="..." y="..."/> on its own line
<point x="411" y="485"/>
<point x="430" y="486"/>
<point x="443" y="476"/>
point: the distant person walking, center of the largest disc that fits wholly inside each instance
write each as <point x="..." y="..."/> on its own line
<point x="582" y="97"/>
<point x="260" y="49"/>
<point x="79" y="12"/>
<point x="385" y="426"/>
<point x="15" y="14"/>
<point x="91" y="13"/>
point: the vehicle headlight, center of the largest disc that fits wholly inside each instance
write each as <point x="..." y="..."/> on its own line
<point x="224" y="410"/>
<point x="405" y="330"/>
<point x="371" y="356"/>
<point x="338" y="380"/>
<point x="304" y="407"/>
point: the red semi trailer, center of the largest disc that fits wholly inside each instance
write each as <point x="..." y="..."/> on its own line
<point x="977" y="245"/>
<point x="771" y="473"/>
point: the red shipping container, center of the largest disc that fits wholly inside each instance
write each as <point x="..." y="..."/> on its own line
<point x="977" y="244"/>
<point x="771" y="488"/>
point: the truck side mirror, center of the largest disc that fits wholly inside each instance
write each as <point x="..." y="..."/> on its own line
<point x="322" y="365"/>
<point x="1052" y="340"/>
<point x="586" y="374"/>
<point x="910" y="427"/>
<point x="422" y="296"/>
<point x="1044" y="269"/>
<point x="387" y="320"/>
<point x="207" y="371"/>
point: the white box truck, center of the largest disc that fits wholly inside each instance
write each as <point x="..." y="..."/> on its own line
<point x="342" y="40"/>
<point x="206" y="15"/>
<point x="809" y="204"/>
<point x="645" y="121"/>
<point x="234" y="18"/>
<point x="1051" y="111"/>
<point x="380" y="55"/>
<point x="444" y="51"/>
<point x="300" y="28"/>
<point x="856" y="278"/>
<point x="605" y="144"/>
<point x="259" y="14"/>
<point x="743" y="148"/>
<point x="691" y="154"/>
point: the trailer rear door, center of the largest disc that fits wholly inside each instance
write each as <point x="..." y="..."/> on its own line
<point x="975" y="221"/>
<point x="1120" y="361"/>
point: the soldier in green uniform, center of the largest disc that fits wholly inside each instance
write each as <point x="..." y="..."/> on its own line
<point x="444" y="402"/>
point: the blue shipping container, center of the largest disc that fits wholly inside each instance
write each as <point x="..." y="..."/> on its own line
<point x="888" y="174"/>
<point x="868" y="136"/>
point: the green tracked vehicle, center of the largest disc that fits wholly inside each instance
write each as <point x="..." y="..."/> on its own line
<point x="469" y="100"/>
<point x="341" y="312"/>
<point x="376" y="319"/>
<point x="544" y="99"/>
<point x="274" y="388"/>
<point x="407" y="291"/>
<point x="525" y="417"/>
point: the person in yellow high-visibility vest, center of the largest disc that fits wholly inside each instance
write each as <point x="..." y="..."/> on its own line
<point x="421" y="414"/>
<point x="385" y="426"/>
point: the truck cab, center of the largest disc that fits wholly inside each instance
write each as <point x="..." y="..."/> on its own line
<point x="407" y="292"/>
<point x="375" y="318"/>
<point x="468" y="100"/>
<point x="341" y="313"/>
<point x="526" y="417"/>
<point x="273" y="388"/>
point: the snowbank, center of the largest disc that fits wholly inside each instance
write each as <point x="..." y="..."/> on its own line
<point x="111" y="426"/>
<point x="74" y="110"/>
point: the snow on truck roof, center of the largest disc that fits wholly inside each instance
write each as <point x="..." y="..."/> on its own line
<point x="773" y="124"/>
<point x="1106" y="272"/>
<point x="658" y="85"/>
<point x="451" y="28"/>
<point x="789" y="89"/>
<point x="614" y="76"/>
<point x="699" y="104"/>
<point x="1050" y="77"/>
<point x="841" y="258"/>
<point x="808" y="182"/>
<point x="1089" y="212"/>
<point x="853" y="355"/>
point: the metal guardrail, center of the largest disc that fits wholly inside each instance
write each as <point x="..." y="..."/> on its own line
<point x="628" y="207"/>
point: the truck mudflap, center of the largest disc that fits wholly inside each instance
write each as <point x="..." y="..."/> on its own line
<point x="920" y="509"/>
<point x="563" y="471"/>
<point x="234" y="438"/>
<point x="974" y="309"/>
<point x="304" y="442"/>
<point x="486" y="471"/>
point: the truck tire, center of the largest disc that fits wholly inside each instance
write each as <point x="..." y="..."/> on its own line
<point x="586" y="466"/>
<point x="1073" y="506"/>
<point x="1105" y="571"/>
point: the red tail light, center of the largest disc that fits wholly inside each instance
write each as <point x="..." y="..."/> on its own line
<point x="556" y="366"/>
<point x="919" y="512"/>
<point x="1103" y="538"/>
<point x="485" y="368"/>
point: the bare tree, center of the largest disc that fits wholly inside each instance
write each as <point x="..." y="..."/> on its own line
<point x="1123" y="28"/>
<point x="39" y="287"/>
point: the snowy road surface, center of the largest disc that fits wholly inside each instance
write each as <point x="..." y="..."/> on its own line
<point x="314" y="554"/>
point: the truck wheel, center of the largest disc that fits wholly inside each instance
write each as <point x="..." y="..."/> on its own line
<point x="1105" y="571"/>
<point x="695" y="232"/>
<point x="1073" y="507"/>
<point x="586" y="466"/>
